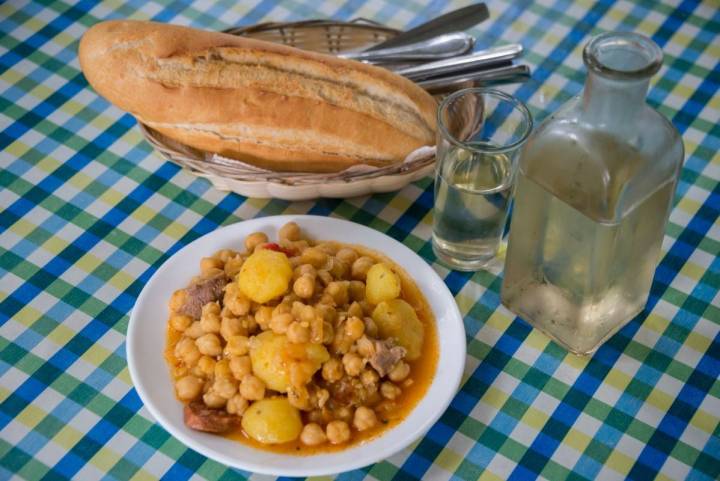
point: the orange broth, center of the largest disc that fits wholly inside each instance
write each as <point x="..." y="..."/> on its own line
<point x="422" y="371"/>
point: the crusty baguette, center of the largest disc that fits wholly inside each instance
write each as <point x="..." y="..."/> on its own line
<point x="274" y="106"/>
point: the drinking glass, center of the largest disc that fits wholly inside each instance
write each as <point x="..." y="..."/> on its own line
<point x="480" y="132"/>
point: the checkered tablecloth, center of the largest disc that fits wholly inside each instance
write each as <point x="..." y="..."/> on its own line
<point x="88" y="212"/>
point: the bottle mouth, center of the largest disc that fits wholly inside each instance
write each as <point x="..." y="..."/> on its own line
<point x="623" y="55"/>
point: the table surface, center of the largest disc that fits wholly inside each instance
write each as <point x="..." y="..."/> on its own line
<point x="89" y="212"/>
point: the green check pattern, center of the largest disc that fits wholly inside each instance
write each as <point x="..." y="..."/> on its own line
<point x="88" y="212"/>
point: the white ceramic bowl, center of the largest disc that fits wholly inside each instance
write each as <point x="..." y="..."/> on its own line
<point x="150" y="374"/>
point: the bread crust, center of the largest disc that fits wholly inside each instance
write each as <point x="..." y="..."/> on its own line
<point x="270" y="105"/>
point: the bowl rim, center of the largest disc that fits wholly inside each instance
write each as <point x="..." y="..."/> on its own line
<point x="451" y="358"/>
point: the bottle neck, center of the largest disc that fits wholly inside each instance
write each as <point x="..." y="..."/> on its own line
<point x="614" y="105"/>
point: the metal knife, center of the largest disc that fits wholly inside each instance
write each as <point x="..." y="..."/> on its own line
<point x="498" y="75"/>
<point x="481" y="59"/>
<point x="455" y="21"/>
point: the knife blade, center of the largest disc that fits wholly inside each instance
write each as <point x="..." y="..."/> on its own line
<point x="503" y="74"/>
<point x="455" y="21"/>
<point x="475" y="61"/>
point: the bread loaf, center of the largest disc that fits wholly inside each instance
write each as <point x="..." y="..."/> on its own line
<point x="271" y="105"/>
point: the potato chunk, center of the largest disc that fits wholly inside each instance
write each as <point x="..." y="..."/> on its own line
<point x="397" y="319"/>
<point x="265" y="275"/>
<point x="272" y="421"/>
<point x="272" y="356"/>
<point x="382" y="284"/>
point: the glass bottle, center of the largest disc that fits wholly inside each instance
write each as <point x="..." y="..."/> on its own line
<point x="594" y="191"/>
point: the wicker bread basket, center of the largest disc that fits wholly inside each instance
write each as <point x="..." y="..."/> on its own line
<point x="232" y="175"/>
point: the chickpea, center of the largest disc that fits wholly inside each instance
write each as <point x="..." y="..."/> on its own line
<point x="326" y="300"/>
<point x="325" y="277"/>
<point x="235" y="300"/>
<point x="371" y="328"/>
<point x="344" y="413"/>
<point x="357" y="290"/>
<point x="233" y="265"/>
<point x="304" y="286"/>
<point x="369" y="377"/>
<point x="290" y="231"/>
<point x="214" y="400"/>
<point x="282" y="308"/>
<point x="297" y="246"/>
<point x="339" y="292"/>
<point x="206" y="364"/>
<point x="255" y="239"/>
<point x="207" y="264"/>
<point x="210" y="318"/>
<point x="263" y="316"/>
<point x="389" y="390"/>
<point x="337" y="268"/>
<point x="303" y="312"/>
<point x="225" y="255"/>
<point x="332" y="370"/>
<point x="222" y="369"/>
<point x="177" y="300"/>
<point x="295" y="262"/>
<point x="237" y="405"/>
<point x="364" y="419"/>
<point x="347" y="255"/>
<point x="365" y="347"/>
<point x="231" y="327"/>
<point x="305" y="270"/>
<point x="237" y="346"/>
<point x="209" y="344"/>
<point x="179" y="370"/>
<point x="328" y="248"/>
<point x="225" y="387"/>
<point x="328" y="333"/>
<point x="354" y="328"/>
<point x="360" y="268"/>
<point x="298" y="333"/>
<point x="338" y="432"/>
<point x="188" y="388"/>
<point x="399" y="372"/>
<point x="240" y="366"/>
<point x="280" y="322"/>
<point x="352" y="363"/>
<point x="355" y="310"/>
<point x="328" y="313"/>
<point x="252" y="388"/>
<point x="195" y="330"/>
<point x="213" y="272"/>
<point x="180" y="323"/>
<point x="249" y="324"/>
<point x="312" y="435"/>
<point x="211" y="308"/>
<point x="320" y="416"/>
<point x="341" y="344"/>
<point x="186" y="350"/>
<point x="290" y="299"/>
<point x="314" y="257"/>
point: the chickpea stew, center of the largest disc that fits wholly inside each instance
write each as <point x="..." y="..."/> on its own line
<point x="299" y="346"/>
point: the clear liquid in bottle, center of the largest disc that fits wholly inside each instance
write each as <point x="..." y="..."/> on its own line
<point x="595" y="185"/>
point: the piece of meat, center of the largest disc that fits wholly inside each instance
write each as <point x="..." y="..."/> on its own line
<point x="202" y="418"/>
<point x="386" y="356"/>
<point x="202" y="292"/>
<point x="347" y="392"/>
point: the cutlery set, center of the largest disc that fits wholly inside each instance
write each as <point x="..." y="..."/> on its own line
<point x="436" y="55"/>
